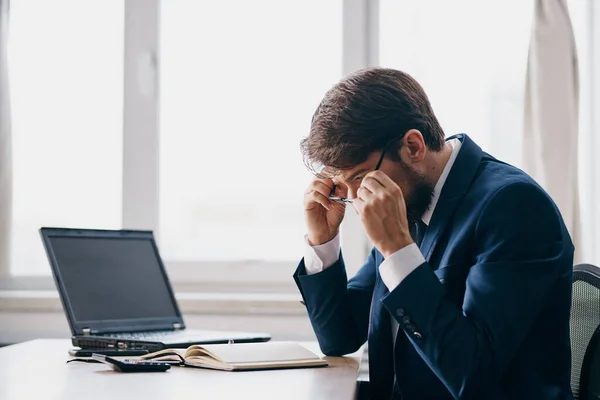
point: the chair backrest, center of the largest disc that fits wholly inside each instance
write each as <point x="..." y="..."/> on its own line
<point x="584" y="323"/>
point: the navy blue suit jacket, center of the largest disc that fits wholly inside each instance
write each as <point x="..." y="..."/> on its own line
<point x="485" y="317"/>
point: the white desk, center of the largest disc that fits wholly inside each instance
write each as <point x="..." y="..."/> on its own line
<point x="38" y="370"/>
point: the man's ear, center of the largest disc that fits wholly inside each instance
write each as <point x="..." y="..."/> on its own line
<point x="413" y="145"/>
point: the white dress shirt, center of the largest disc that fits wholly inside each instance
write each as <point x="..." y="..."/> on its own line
<point x="397" y="266"/>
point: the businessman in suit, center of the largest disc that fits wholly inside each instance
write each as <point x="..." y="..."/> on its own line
<point x="467" y="291"/>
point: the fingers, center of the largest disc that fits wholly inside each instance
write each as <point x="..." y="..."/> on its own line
<point x="371" y="185"/>
<point x="359" y="206"/>
<point x="318" y="192"/>
<point x="317" y="197"/>
<point x="371" y="189"/>
<point x="364" y="193"/>
<point x="379" y="184"/>
<point x="322" y="186"/>
<point x="365" y="210"/>
<point x="381" y="178"/>
<point x="376" y="190"/>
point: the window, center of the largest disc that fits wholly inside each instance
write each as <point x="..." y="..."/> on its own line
<point x="583" y="20"/>
<point x="239" y="83"/>
<point x="470" y="56"/>
<point x="66" y="78"/>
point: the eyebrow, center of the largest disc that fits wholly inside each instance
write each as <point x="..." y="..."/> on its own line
<point x="355" y="174"/>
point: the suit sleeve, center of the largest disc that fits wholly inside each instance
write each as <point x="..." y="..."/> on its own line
<point x="338" y="309"/>
<point x="520" y="248"/>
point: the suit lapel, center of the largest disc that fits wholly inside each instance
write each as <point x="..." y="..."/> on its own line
<point x="381" y="354"/>
<point x="380" y="323"/>
<point x="456" y="186"/>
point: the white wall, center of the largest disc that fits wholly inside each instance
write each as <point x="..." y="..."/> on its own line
<point x="26" y="314"/>
<point x="20" y="326"/>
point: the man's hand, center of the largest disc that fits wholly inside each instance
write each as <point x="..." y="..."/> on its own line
<point x="382" y="210"/>
<point x="323" y="216"/>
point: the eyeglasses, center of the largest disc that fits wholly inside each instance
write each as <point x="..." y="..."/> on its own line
<point x="346" y="200"/>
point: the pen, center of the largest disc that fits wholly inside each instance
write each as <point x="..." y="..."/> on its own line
<point x="340" y="199"/>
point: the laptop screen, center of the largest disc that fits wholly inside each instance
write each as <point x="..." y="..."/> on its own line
<point x="112" y="278"/>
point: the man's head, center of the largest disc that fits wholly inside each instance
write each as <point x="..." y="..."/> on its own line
<point x="370" y="111"/>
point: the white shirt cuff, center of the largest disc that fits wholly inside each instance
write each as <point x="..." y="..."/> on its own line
<point x="317" y="258"/>
<point x="399" y="265"/>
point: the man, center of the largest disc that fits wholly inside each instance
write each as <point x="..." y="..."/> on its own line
<point x="467" y="291"/>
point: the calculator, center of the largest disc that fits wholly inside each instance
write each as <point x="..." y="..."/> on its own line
<point x="132" y="365"/>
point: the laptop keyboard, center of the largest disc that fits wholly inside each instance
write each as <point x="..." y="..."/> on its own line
<point x="150" y="336"/>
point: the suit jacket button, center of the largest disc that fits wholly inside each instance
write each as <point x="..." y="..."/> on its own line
<point x="400" y="312"/>
<point x="406" y="320"/>
<point x="417" y="335"/>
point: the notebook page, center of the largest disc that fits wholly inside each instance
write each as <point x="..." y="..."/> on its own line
<point x="260" y="352"/>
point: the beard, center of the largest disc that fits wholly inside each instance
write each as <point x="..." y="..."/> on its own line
<point x="420" y="198"/>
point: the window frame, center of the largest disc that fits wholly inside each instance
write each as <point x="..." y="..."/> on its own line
<point x="594" y="123"/>
<point x="141" y="150"/>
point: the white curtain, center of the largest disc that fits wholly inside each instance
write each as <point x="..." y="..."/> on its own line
<point x="5" y="145"/>
<point x="551" y="110"/>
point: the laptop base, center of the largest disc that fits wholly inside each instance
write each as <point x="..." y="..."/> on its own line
<point x="172" y="339"/>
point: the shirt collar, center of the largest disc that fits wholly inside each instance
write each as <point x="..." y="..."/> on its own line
<point x="456" y="144"/>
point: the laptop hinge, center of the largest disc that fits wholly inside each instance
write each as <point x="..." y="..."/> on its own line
<point x="176" y="326"/>
<point x="87" y="331"/>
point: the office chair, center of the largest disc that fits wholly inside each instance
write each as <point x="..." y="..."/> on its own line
<point x="585" y="332"/>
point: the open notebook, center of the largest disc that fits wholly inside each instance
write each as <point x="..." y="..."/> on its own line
<point x="241" y="356"/>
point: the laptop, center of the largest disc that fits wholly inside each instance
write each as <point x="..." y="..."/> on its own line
<point x="116" y="293"/>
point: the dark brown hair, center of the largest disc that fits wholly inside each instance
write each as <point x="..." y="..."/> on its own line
<point x="364" y="112"/>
